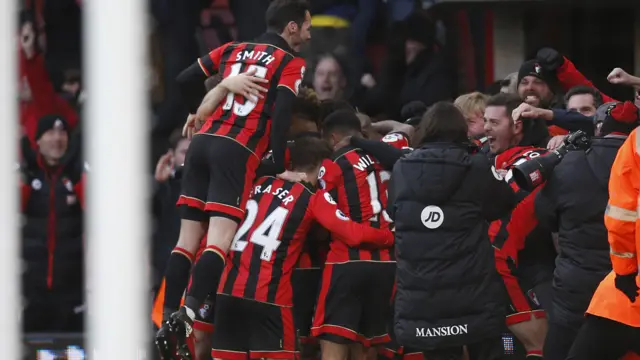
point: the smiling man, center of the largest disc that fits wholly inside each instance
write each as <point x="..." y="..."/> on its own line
<point x="535" y="85"/>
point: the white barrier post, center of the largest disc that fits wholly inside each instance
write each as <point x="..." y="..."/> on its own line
<point x="9" y="219"/>
<point x="115" y="61"/>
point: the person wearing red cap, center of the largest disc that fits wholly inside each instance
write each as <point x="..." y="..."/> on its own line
<point x="562" y="206"/>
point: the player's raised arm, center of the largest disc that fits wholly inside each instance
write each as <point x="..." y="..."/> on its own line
<point x="325" y="211"/>
<point x="287" y="91"/>
<point x="191" y="80"/>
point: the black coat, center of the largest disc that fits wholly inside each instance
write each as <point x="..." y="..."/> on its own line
<point x="52" y="231"/>
<point x="572" y="203"/>
<point x="448" y="290"/>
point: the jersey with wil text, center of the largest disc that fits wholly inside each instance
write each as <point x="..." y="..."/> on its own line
<point x="359" y="183"/>
<point x="269" y="241"/>
<point x="248" y="121"/>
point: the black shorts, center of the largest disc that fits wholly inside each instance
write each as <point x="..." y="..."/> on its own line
<point x="522" y="301"/>
<point x="354" y="302"/>
<point x="204" y="316"/>
<point x="305" y="283"/>
<point x="218" y="175"/>
<point x="248" y="329"/>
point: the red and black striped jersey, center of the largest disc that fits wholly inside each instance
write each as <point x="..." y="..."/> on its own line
<point x="269" y="241"/>
<point x="360" y="184"/>
<point x="315" y="250"/>
<point x="244" y="120"/>
<point x="510" y="233"/>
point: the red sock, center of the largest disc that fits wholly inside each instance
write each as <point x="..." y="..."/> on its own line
<point x="534" y="354"/>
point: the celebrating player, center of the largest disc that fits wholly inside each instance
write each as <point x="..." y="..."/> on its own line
<point x="223" y="157"/>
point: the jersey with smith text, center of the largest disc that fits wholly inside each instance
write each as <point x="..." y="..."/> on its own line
<point x="246" y="121"/>
<point x="269" y="241"/>
<point x="359" y="183"/>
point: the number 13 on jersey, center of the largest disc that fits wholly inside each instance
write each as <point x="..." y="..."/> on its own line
<point x="248" y="106"/>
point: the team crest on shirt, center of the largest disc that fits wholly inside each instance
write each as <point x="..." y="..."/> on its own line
<point x="340" y="215"/>
<point x="533" y="297"/>
<point x="537" y="68"/>
<point x="67" y="184"/>
<point x="36" y="184"/>
<point x="392" y="138"/>
<point x="321" y="181"/>
<point x="329" y="199"/>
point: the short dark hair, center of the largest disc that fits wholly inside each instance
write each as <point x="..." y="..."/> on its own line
<point x="329" y="106"/>
<point x="307" y="106"/>
<point x="443" y="122"/>
<point x="534" y="130"/>
<point x="282" y="12"/>
<point x="307" y="153"/>
<point x="582" y="90"/>
<point x="342" y="121"/>
<point x="509" y="101"/>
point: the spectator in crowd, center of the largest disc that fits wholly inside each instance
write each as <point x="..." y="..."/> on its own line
<point x="447" y="282"/>
<point x="329" y="78"/>
<point x="416" y="69"/>
<point x="38" y="96"/>
<point x="472" y="106"/>
<point x="583" y="259"/>
<point x="52" y="191"/>
<point x="583" y="99"/>
<point x="166" y="193"/>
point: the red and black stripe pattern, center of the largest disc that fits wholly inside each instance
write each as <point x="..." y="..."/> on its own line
<point x="510" y="232"/>
<point x="269" y="243"/>
<point x="362" y="196"/>
<point x="239" y="118"/>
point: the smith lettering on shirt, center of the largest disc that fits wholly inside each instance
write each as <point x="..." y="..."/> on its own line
<point x="278" y="192"/>
<point x="260" y="56"/>
<point x="442" y="331"/>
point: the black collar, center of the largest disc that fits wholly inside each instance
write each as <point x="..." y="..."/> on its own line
<point x="275" y="40"/>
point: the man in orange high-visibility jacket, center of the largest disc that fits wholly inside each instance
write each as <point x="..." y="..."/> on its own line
<point x="612" y="327"/>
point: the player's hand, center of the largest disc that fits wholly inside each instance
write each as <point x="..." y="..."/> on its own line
<point x="292" y="176"/>
<point x="164" y="167"/>
<point x="556" y="142"/>
<point x="246" y="84"/>
<point x="527" y="111"/>
<point x="619" y="77"/>
<point x="192" y="126"/>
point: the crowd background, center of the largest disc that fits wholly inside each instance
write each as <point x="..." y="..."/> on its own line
<point x="378" y="55"/>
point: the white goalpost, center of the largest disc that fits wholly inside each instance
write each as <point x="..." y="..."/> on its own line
<point x="9" y="220"/>
<point x="117" y="122"/>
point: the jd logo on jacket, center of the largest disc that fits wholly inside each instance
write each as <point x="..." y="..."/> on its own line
<point x="432" y="217"/>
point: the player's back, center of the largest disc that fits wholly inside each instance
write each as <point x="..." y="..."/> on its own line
<point x="248" y="121"/>
<point x="360" y="185"/>
<point x="269" y="242"/>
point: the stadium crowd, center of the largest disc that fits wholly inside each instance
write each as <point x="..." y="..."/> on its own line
<point x="318" y="216"/>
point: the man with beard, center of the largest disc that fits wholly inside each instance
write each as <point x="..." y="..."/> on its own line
<point x="524" y="251"/>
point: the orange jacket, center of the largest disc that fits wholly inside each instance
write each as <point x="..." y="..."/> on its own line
<point x="623" y="225"/>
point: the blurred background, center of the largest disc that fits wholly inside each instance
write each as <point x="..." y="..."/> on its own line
<point x="377" y="54"/>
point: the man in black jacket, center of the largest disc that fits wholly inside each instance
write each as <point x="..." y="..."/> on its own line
<point x="572" y="203"/>
<point x="441" y="197"/>
<point x="52" y="199"/>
